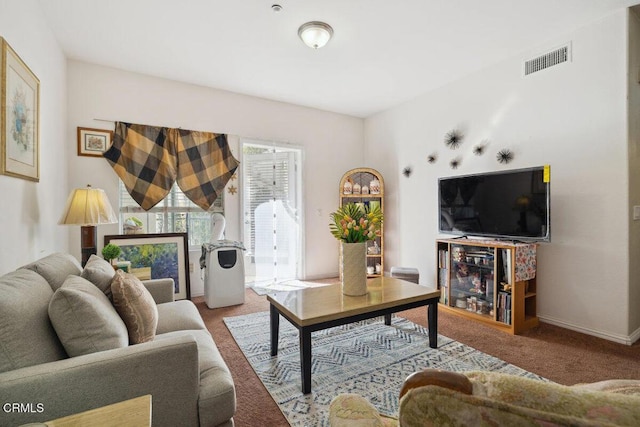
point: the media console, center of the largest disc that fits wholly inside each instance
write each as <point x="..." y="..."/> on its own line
<point x="489" y="281"/>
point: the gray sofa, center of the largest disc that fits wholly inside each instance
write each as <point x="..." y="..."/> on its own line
<point x="181" y="368"/>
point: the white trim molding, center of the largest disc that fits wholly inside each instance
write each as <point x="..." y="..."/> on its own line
<point x="621" y="339"/>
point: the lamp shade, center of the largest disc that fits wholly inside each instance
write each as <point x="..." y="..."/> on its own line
<point x="88" y="206"/>
<point x="315" y="34"/>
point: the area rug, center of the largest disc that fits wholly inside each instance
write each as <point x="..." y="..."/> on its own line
<point x="289" y="285"/>
<point x="365" y="357"/>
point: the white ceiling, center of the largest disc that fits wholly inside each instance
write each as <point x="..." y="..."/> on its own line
<point x="383" y="52"/>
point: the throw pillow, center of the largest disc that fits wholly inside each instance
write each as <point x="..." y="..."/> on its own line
<point x="100" y="273"/>
<point x="55" y="268"/>
<point x="84" y="319"/>
<point x="136" y="307"/>
<point x="24" y="322"/>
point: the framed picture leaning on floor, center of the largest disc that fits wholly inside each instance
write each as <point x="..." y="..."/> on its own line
<point x="156" y="256"/>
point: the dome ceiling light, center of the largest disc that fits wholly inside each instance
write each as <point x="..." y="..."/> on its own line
<point x="315" y="34"/>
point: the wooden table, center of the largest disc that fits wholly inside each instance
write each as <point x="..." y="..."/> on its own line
<point x="129" y="413"/>
<point x="313" y="309"/>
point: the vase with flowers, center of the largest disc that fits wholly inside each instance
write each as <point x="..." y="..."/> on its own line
<point x="353" y="225"/>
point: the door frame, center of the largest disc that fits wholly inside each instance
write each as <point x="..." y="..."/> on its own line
<point x="301" y="267"/>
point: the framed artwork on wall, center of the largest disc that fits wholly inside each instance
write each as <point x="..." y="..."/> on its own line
<point x="93" y="142"/>
<point x="20" y="117"/>
<point x="156" y="256"/>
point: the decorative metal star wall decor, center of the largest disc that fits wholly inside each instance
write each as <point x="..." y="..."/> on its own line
<point x="453" y="139"/>
<point x="478" y="150"/>
<point x="232" y="189"/>
<point x="407" y="171"/>
<point x="504" y="156"/>
<point x="455" y="163"/>
<point x="431" y="158"/>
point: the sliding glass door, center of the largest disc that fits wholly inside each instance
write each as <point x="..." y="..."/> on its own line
<point x="272" y="211"/>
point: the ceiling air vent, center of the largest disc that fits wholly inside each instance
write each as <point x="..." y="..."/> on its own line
<point x="555" y="57"/>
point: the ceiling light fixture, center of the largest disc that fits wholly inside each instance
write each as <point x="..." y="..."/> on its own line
<point x="315" y="34"/>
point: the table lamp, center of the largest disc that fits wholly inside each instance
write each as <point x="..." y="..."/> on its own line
<point x="88" y="207"/>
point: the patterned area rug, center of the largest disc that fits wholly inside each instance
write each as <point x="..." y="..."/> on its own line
<point x="290" y="285"/>
<point x="365" y="357"/>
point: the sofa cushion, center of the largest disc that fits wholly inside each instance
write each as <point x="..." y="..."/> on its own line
<point x="84" y="318"/>
<point x="100" y="273"/>
<point x="620" y="386"/>
<point x="178" y="316"/>
<point x="591" y="406"/>
<point x="24" y="322"/>
<point x="217" y="397"/>
<point x="136" y="307"/>
<point x="351" y="409"/>
<point x="55" y="268"/>
<point x="435" y="405"/>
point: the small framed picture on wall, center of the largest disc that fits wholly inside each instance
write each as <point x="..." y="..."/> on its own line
<point x="93" y="142"/>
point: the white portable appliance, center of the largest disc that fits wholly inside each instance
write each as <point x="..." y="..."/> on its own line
<point x="223" y="264"/>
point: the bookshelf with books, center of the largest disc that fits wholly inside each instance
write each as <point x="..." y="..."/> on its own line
<point x="489" y="281"/>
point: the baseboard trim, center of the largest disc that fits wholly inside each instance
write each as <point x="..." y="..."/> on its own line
<point x="321" y="276"/>
<point x="635" y="336"/>
<point x="621" y="339"/>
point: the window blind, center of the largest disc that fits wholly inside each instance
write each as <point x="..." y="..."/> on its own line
<point x="176" y="201"/>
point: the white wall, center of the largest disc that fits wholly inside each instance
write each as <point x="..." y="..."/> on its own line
<point x="634" y="167"/>
<point x="30" y="211"/>
<point x="573" y="117"/>
<point x="332" y="142"/>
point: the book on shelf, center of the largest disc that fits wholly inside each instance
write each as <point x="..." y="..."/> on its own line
<point x="504" y="307"/>
<point x="506" y="264"/>
<point x="442" y="277"/>
<point x="443" y="296"/>
<point x="443" y="258"/>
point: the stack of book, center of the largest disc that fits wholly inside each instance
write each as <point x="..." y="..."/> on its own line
<point x="504" y="307"/>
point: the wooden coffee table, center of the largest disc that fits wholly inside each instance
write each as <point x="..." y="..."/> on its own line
<point x="135" y="412"/>
<point x="313" y="309"/>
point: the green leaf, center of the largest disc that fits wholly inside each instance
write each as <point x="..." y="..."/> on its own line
<point x="353" y="222"/>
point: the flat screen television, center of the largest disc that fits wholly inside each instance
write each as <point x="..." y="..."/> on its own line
<point x="509" y="205"/>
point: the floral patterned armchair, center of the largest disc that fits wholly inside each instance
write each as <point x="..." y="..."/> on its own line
<point x="439" y="398"/>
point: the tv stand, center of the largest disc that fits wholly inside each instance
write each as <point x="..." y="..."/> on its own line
<point x="490" y="281"/>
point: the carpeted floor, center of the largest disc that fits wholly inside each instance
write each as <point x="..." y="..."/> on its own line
<point x="555" y="353"/>
<point x="367" y="358"/>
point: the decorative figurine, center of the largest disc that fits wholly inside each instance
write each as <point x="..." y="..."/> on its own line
<point x="356" y="188"/>
<point x="348" y="187"/>
<point x="374" y="186"/>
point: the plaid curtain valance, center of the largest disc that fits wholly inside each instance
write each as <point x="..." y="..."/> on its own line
<point x="149" y="159"/>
